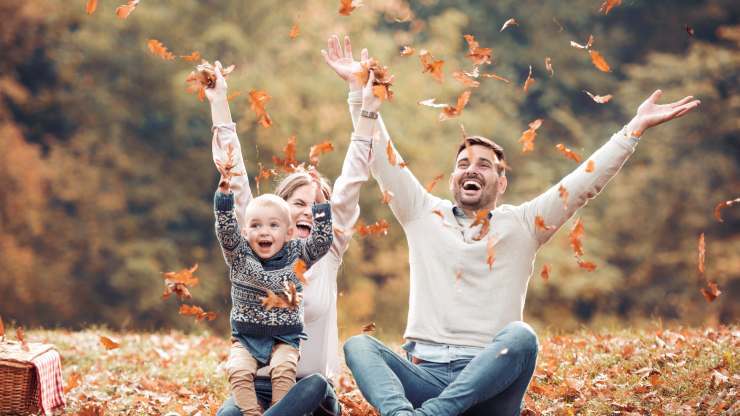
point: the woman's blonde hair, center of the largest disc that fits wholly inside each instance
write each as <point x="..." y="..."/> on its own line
<point x="300" y="178"/>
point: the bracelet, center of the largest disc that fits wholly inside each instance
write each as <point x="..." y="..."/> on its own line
<point x="369" y="114"/>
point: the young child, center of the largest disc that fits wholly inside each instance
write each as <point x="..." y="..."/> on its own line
<point x="266" y="311"/>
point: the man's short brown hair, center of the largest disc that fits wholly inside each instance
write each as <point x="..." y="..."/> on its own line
<point x="485" y="142"/>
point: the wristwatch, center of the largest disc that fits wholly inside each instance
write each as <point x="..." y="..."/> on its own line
<point x="369" y="114"/>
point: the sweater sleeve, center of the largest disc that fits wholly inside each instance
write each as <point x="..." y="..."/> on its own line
<point x="227" y="227"/>
<point x="223" y="136"/>
<point x="355" y="171"/>
<point x="318" y="243"/>
<point x="410" y="199"/>
<point x="581" y="186"/>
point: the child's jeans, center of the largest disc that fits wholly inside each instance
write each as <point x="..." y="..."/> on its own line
<point x="242" y="367"/>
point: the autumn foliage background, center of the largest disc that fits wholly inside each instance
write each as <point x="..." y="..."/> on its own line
<point x="106" y="177"/>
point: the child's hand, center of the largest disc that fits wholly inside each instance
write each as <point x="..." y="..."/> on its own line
<point x="225" y="169"/>
<point x="320" y="198"/>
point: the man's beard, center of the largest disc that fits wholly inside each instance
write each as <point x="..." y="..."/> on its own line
<point x="483" y="200"/>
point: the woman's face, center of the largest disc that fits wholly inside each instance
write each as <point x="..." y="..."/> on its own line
<point x="300" y="203"/>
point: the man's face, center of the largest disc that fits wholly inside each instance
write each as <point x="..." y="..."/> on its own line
<point x="475" y="183"/>
<point x="267" y="230"/>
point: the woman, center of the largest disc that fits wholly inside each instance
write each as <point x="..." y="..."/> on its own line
<point x="319" y="362"/>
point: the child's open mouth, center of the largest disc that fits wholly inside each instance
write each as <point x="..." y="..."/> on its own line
<point x="265" y="244"/>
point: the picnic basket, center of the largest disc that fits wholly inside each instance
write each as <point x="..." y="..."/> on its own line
<point x="19" y="393"/>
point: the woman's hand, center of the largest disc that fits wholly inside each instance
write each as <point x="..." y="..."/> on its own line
<point x="320" y="198"/>
<point x="650" y="114"/>
<point x="342" y="61"/>
<point x="220" y="91"/>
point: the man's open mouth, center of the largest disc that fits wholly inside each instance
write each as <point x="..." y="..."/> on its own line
<point x="471" y="185"/>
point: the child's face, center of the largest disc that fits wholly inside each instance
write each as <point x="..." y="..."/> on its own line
<point x="267" y="230"/>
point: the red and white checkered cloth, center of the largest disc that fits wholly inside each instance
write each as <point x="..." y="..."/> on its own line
<point x="50" y="384"/>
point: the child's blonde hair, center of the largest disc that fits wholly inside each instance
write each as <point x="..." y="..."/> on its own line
<point x="272" y="200"/>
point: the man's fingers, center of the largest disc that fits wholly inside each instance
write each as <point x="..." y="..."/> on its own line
<point x="348" y="48"/>
<point x="684" y="109"/>
<point x="364" y="55"/>
<point x="655" y="96"/>
<point x="682" y="101"/>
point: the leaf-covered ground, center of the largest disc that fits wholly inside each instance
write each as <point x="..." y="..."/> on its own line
<point x="658" y="372"/>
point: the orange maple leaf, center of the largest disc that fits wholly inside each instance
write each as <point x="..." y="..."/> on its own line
<point x="346" y="7"/>
<point x="197" y="312"/>
<point x="317" y="150"/>
<point x="109" y="343"/>
<point x="430" y="65"/>
<point x="433" y="182"/>
<point x="300" y="268"/>
<point x="449" y="111"/>
<point x="288" y="163"/>
<point x="257" y="101"/>
<point x="586" y="265"/>
<point x="539" y="224"/>
<point x="711" y="291"/>
<point x="490" y="253"/>
<point x="124" y="10"/>
<point x="529" y="81"/>
<point x="568" y="153"/>
<point x="576" y="233"/>
<point x="528" y="136"/>
<point x="599" y="61"/>
<point x="482" y="219"/>
<point x="157" y="48"/>
<point x="465" y="79"/>
<point x="478" y="55"/>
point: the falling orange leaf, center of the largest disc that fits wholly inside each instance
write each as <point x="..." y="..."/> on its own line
<point x="545" y="273"/>
<point x="608" y="5"/>
<point x="273" y="301"/>
<point x="387" y="196"/>
<point x="73" y="381"/>
<point x="496" y="77"/>
<point x="300" y="268"/>
<point x="433" y="182"/>
<point x="590" y="166"/>
<point x="346" y="7"/>
<point x="586" y="46"/>
<point x="482" y="218"/>
<point x="257" y="101"/>
<point x="91" y="6"/>
<point x="109" y="343"/>
<point x="586" y="265"/>
<point x="599" y="61"/>
<point x="294" y="31"/>
<point x="390" y="153"/>
<point x="379" y="228"/>
<point x="264" y="174"/>
<point x="407" y="51"/>
<point x="369" y="327"/>
<point x="702" y="253"/>
<point x="123" y="11"/>
<point x="380" y="91"/>
<point x="157" y="48"/>
<point x="539" y="224"/>
<point x="317" y="150"/>
<point x="478" y="55"/>
<point x="601" y="99"/>
<point x="193" y="57"/>
<point x="197" y="312"/>
<point x="178" y="282"/>
<point x="465" y="79"/>
<point x="430" y="65"/>
<point x="529" y="81"/>
<point x="548" y="66"/>
<point x="568" y="153"/>
<point x="450" y="112"/>
<point x="288" y="163"/>
<point x="528" y="136"/>
<point x="711" y="291"/>
<point x="718" y="208"/>
<point x="490" y="253"/>
<point x="564" y="196"/>
<point x="510" y="22"/>
<point x="576" y="233"/>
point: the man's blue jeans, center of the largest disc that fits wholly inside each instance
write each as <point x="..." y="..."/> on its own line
<point x="312" y="395"/>
<point x="492" y="383"/>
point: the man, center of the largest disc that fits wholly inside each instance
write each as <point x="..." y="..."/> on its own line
<point x="470" y="261"/>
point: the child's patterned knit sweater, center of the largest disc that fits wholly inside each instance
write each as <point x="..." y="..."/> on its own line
<point x="251" y="277"/>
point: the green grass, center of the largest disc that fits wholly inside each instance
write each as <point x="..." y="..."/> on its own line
<point x="608" y="372"/>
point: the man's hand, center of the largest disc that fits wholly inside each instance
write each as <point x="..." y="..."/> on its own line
<point x="342" y="62"/>
<point x="219" y="92"/>
<point x="650" y="114"/>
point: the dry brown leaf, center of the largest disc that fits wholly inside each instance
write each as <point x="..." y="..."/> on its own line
<point x="193" y="57"/>
<point x="430" y="65"/>
<point x="590" y="166"/>
<point x="273" y="301"/>
<point x="568" y="153"/>
<point x="109" y="343"/>
<point x="482" y="218"/>
<point x="496" y="77"/>
<point x="433" y="182"/>
<point x="317" y="150"/>
<point x="294" y="31"/>
<point x="257" y="101"/>
<point x="608" y="5"/>
<point x="490" y="253"/>
<point x="548" y="66"/>
<point x="91" y="6"/>
<point x="369" y="328"/>
<point x="346" y="7"/>
<point x="599" y="61"/>
<point x="379" y="228"/>
<point x="300" y="268"/>
<point x="73" y="381"/>
<point x="576" y="233"/>
<point x="157" y="48"/>
<point x="465" y="79"/>
<point x="545" y="272"/>
<point x="726" y="204"/>
<point x="529" y="81"/>
<point x="586" y="265"/>
<point x="407" y="51"/>
<point x="288" y="163"/>
<point x="564" y="196"/>
<point x="528" y="136"/>
<point x="382" y="82"/>
<point x="711" y="291"/>
<point x="510" y="22"/>
<point x="478" y="55"/>
<point x="390" y="153"/>
<point x="197" y="312"/>
<point x="450" y="112"/>
<point x="601" y="99"/>
<point x="702" y="253"/>
<point x="124" y="10"/>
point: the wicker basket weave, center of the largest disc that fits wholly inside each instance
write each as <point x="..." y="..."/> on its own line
<point x="18" y="388"/>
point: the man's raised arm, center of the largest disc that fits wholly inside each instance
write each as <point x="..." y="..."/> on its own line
<point x="556" y="205"/>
